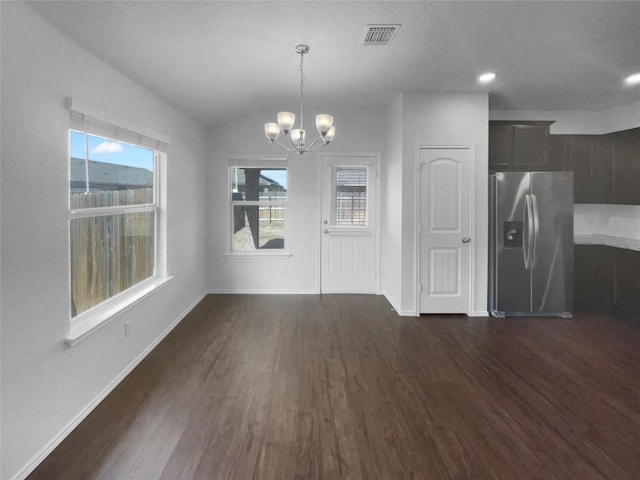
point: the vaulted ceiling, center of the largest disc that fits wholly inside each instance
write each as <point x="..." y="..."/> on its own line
<point x="220" y="60"/>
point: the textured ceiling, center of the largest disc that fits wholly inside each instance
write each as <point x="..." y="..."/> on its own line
<point x="220" y="60"/>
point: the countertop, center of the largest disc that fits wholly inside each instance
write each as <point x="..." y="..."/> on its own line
<point x="608" y="240"/>
<point x="611" y="225"/>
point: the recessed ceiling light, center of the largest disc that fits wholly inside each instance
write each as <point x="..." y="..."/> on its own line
<point x="487" y="77"/>
<point x="633" y="79"/>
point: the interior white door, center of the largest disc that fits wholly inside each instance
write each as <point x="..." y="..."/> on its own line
<point x="349" y="224"/>
<point x="445" y="230"/>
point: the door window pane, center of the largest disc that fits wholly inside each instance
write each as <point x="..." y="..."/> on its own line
<point x="351" y="196"/>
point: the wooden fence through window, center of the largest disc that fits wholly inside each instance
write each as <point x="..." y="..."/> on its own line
<point x="110" y="253"/>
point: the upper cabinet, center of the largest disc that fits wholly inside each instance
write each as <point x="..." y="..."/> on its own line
<point x="519" y="146"/>
<point x="606" y="167"/>
<point x="590" y="158"/>
<point x="626" y="166"/>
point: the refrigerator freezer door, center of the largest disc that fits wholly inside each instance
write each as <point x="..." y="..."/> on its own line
<point x="511" y="284"/>
<point x="530" y="239"/>
<point x="552" y="268"/>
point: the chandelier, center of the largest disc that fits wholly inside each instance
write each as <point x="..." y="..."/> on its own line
<point x="286" y="121"/>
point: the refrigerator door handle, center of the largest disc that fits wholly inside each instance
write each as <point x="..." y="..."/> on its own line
<point x="536" y="231"/>
<point x="529" y="233"/>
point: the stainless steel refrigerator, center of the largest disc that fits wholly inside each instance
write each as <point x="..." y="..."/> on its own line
<point x="531" y="244"/>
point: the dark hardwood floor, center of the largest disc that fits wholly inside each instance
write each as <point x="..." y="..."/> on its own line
<point x="340" y="387"/>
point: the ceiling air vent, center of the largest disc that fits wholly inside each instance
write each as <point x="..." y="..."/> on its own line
<point x="379" y="34"/>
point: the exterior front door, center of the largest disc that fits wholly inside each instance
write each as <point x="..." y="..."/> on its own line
<point x="349" y="250"/>
<point x="444" y="230"/>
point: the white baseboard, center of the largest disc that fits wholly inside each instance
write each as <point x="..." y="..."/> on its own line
<point x="261" y="292"/>
<point x="401" y="313"/>
<point x="49" y="447"/>
<point x="412" y="313"/>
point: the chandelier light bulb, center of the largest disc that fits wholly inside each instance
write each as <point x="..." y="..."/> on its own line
<point x="323" y="123"/>
<point x="297" y="137"/>
<point x="272" y="131"/>
<point x="328" y="137"/>
<point x="286" y="121"/>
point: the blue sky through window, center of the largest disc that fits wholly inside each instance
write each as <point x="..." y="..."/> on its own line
<point x="279" y="175"/>
<point x="110" y="151"/>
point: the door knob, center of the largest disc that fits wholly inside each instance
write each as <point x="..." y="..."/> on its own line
<point x="466" y="239"/>
<point x="325" y="231"/>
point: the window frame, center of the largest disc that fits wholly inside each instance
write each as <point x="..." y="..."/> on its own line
<point x="266" y="163"/>
<point x="84" y="323"/>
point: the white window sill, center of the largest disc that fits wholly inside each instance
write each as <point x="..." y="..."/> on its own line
<point x="88" y="322"/>
<point x="259" y="254"/>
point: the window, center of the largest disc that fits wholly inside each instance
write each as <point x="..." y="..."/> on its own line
<point x="258" y="206"/>
<point x="114" y="220"/>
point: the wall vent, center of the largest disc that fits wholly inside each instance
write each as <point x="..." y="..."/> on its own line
<point x="379" y="34"/>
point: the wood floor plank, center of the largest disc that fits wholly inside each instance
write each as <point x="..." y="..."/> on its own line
<point x="326" y="387"/>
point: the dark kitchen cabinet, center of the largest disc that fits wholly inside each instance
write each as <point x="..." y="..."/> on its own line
<point x="606" y="168"/>
<point x="627" y="282"/>
<point x="602" y="178"/>
<point x="626" y="167"/>
<point x="607" y="279"/>
<point x="594" y="278"/>
<point x="591" y="159"/>
<point x="500" y="146"/>
<point x="530" y="147"/>
<point x="578" y="159"/>
<point x="518" y="146"/>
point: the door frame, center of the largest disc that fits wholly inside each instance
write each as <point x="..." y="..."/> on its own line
<point x="472" y="215"/>
<point x="321" y="156"/>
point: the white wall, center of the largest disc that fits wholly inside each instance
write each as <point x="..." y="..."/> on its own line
<point x="411" y="120"/>
<point x="453" y="119"/>
<point x="391" y="206"/>
<point x="357" y="131"/>
<point x="47" y="386"/>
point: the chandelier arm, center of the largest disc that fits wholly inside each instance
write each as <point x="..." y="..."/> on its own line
<point x="286" y="147"/>
<point x="313" y="143"/>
